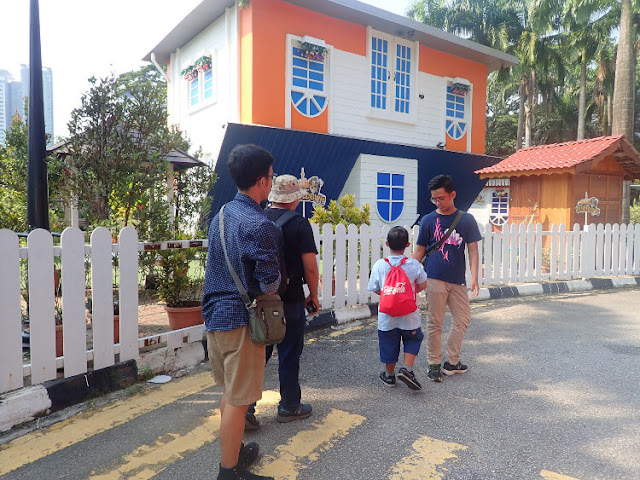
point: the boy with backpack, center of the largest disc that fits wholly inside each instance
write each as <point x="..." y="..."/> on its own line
<point x="398" y="279"/>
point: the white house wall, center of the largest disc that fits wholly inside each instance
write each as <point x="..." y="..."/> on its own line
<point x="350" y="106"/>
<point x="204" y="123"/>
<point x="363" y="183"/>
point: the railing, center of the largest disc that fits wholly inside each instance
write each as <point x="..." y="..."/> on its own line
<point x="519" y="254"/>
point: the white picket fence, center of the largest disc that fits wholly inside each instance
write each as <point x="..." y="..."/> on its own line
<point x="520" y="254"/>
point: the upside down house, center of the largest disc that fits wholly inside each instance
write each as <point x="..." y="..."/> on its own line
<point x="348" y="97"/>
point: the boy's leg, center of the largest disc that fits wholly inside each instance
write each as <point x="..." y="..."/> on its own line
<point x="458" y="302"/>
<point x="437" y="293"/>
<point x="389" y="344"/>
<point x="412" y="339"/>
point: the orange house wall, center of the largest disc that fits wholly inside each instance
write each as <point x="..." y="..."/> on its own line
<point x="264" y="26"/>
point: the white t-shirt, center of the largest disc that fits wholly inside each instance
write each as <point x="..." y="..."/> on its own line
<point x="416" y="274"/>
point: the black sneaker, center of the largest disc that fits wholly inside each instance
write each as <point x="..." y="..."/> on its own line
<point x="251" y="423"/>
<point x="435" y="375"/>
<point x="238" y="473"/>
<point x="409" y="378"/>
<point x="388" y="380"/>
<point x="449" y="369"/>
<point x="288" y="415"/>
<point x="248" y="454"/>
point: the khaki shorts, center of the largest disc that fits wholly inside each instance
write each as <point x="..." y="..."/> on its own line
<point x="237" y="363"/>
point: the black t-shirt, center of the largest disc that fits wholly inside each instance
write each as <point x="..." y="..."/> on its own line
<point x="298" y="239"/>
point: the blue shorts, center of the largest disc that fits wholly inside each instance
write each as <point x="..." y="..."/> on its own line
<point x="389" y="342"/>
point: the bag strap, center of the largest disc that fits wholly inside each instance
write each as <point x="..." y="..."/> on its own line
<point x="243" y="292"/>
<point x="449" y="231"/>
<point x="285" y="217"/>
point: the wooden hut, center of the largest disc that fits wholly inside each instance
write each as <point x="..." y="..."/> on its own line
<point x="547" y="182"/>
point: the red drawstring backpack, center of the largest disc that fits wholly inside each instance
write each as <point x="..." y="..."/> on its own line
<point x="396" y="296"/>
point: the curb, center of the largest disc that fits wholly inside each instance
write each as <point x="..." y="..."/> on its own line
<point x="28" y="403"/>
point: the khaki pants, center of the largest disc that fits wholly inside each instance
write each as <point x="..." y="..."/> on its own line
<point x="440" y="295"/>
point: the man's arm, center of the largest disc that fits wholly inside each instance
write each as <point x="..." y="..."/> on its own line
<point x="473" y="264"/>
<point x="418" y="252"/>
<point x="311" y="275"/>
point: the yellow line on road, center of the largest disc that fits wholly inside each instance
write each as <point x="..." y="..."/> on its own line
<point x="149" y="460"/>
<point x="306" y="446"/>
<point x="41" y="443"/>
<point x="554" y="476"/>
<point x="344" y="331"/>
<point x="428" y="454"/>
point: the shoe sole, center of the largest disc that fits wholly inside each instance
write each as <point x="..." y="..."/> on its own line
<point x="250" y="427"/>
<point x="292" y="418"/>
<point x="452" y="372"/>
<point x="408" y="382"/>
<point x="390" y="385"/>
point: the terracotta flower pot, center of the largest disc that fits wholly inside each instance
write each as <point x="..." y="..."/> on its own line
<point x="183" y="317"/>
<point x="59" y="349"/>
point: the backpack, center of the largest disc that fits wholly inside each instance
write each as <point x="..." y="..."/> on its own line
<point x="396" y="295"/>
<point x="279" y="225"/>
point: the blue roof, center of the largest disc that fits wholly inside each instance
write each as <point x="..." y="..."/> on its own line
<point x="332" y="158"/>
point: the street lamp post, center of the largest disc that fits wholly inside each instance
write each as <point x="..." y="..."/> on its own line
<point x="38" y="195"/>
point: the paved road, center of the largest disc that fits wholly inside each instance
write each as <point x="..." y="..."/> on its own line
<point x="552" y="392"/>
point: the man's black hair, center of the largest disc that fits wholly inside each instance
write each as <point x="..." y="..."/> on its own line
<point x="442" y="181"/>
<point x="397" y="238"/>
<point x="247" y="164"/>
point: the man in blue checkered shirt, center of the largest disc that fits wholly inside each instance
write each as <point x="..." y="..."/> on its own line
<point x="237" y="362"/>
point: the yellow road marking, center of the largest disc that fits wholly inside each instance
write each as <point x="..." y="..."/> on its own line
<point x="149" y="460"/>
<point x="554" y="476"/>
<point x="308" y="444"/>
<point x="39" y="444"/>
<point x="344" y="331"/>
<point x="428" y="454"/>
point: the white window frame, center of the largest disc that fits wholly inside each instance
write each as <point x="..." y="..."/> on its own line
<point x="468" y="102"/>
<point x="391" y="201"/>
<point x="327" y="84"/>
<point x="499" y="219"/>
<point x="203" y="102"/>
<point x="389" y="112"/>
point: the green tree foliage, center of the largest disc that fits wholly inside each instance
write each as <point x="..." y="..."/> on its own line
<point x="562" y="88"/>
<point x="343" y="211"/>
<point x="14" y="169"/>
<point x="119" y="137"/>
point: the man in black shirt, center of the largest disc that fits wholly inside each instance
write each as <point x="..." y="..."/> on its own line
<point x="301" y="265"/>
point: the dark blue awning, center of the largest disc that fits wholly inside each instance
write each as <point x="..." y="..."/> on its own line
<point x="333" y="157"/>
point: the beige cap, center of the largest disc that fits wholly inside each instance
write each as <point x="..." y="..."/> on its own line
<point x="286" y="189"/>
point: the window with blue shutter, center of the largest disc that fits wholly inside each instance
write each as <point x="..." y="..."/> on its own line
<point x="455" y="125"/>
<point x="308" y="81"/>
<point x="391" y="74"/>
<point x="390" y="196"/>
<point x="193" y="92"/>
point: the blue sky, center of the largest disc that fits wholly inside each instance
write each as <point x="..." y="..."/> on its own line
<point x="81" y="38"/>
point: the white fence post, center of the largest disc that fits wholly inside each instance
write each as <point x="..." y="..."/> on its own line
<point x="102" y="298"/>
<point x="629" y="261"/>
<point x="588" y="251"/>
<point x="128" y="293"/>
<point x="636" y="250"/>
<point x="606" y="255"/>
<point x="488" y="255"/>
<point x="74" y="321"/>
<point x="316" y="236"/>
<point x="341" y="265"/>
<point x="553" y="253"/>
<point x="365" y="250"/>
<point x="599" y="253"/>
<point x="327" y="266"/>
<point x="41" y="306"/>
<point x="352" y="265"/>
<point x="538" y="253"/>
<point x="615" y="248"/>
<point x="513" y="252"/>
<point x="10" y="320"/>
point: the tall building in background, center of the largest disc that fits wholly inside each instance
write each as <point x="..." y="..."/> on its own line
<point x="5" y="103"/>
<point x="12" y="99"/>
<point x="47" y="87"/>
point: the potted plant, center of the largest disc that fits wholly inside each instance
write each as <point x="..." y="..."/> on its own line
<point x="180" y="272"/>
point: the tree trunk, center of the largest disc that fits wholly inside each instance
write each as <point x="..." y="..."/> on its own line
<point x="521" y="92"/>
<point x="582" y="103"/>
<point x="623" y="90"/>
